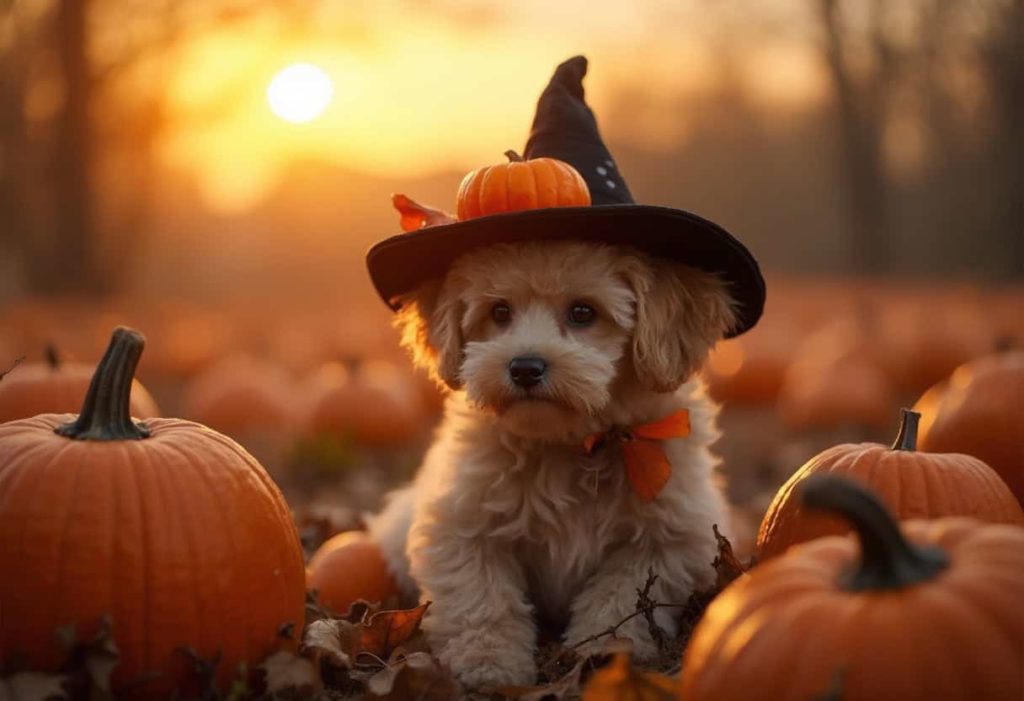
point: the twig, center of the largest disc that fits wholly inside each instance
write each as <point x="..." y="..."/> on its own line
<point x="645" y="607"/>
<point x="16" y="363"/>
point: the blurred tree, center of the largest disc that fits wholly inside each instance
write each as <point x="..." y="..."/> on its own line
<point x="1003" y="57"/>
<point x="64" y="115"/>
<point x="863" y="77"/>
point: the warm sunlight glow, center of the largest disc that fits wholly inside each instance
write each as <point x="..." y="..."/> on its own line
<point x="414" y="91"/>
<point x="300" y="93"/>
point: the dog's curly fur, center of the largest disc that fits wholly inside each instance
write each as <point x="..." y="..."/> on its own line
<point x="508" y="521"/>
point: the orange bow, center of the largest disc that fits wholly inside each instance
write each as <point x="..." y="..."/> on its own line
<point x="647" y="466"/>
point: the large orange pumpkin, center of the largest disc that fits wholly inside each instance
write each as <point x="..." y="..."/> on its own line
<point x="519" y="185"/>
<point x="912" y="484"/>
<point x="932" y="614"/>
<point x="978" y="412"/>
<point x="168" y="527"/>
<point x="55" y="387"/>
<point x="350" y="567"/>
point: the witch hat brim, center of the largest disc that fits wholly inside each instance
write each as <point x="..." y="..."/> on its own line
<point x="565" y="128"/>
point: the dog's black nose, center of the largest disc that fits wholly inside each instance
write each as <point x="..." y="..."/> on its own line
<point x="526" y="372"/>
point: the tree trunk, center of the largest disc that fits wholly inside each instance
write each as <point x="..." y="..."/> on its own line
<point x="861" y="121"/>
<point x="75" y="264"/>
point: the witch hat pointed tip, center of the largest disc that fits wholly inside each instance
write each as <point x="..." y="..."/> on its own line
<point x="570" y="74"/>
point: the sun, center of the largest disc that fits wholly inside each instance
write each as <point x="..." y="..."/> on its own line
<point x="300" y="93"/>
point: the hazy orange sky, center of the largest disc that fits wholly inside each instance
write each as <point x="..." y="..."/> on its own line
<point x="450" y="85"/>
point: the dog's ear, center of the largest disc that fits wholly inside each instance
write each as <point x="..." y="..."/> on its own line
<point x="430" y="323"/>
<point x="681" y="312"/>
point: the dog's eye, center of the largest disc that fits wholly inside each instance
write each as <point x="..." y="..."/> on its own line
<point x="501" y="313"/>
<point x="581" y="314"/>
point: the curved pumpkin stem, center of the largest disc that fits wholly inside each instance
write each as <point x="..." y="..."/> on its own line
<point x="888" y="560"/>
<point x="906" y="439"/>
<point x="106" y="414"/>
<point x="513" y="157"/>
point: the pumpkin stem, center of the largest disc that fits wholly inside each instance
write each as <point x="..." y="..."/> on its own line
<point x="106" y="414"/>
<point x="513" y="157"/>
<point x="888" y="560"/>
<point x="906" y="439"/>
<point x="51" y="356"/>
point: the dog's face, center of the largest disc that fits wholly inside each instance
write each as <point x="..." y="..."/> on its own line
<point x="544" y="335"/>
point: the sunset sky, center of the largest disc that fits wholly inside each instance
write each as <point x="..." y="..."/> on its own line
<point x="449" y="85"/>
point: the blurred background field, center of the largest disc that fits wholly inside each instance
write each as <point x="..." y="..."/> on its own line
<point x="871" y="154"/>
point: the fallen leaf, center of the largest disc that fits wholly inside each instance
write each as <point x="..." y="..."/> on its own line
<point x="620" y="680"/>
<point x="414" y="676"/>
<point x="383" y="631"/>
<point x="333" y="639"/>
<point x="286" y="670"/>
<point x="32" y="686"/>
<point x="416" y="216"/>
<point x="727" y="566"/>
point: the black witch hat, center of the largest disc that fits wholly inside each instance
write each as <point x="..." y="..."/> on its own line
<point x="565" y="128"/>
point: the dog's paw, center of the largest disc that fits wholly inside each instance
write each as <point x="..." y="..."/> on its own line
<point x="484" y="660"/>
<point x="634" y="634"/>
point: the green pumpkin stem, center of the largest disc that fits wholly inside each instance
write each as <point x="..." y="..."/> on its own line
<point x="906" y="439"/>
<point x="513" y="157"/>
<point x="52" y="356"/>
<point x="888" y="560"/>
<point x="106" y="413"/>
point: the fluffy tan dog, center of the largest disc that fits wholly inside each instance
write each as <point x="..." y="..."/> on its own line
<point x="510" y="520"/>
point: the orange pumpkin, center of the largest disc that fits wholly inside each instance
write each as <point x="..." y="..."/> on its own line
<point x="370" y="404"/>
<point x="349" y="567"/>
<point x="918" y="352"/>
<point x="521" y="184"/>
<point x="169" y="528"/>
<point x="836" y="380"/>
<point x="912" y="484"/>
<point x="56" y="387"/>
<point x="977" y="411"/>
<point x="750" y="370"/>
<point x="931" y="614"/>
<point x="239" y="395"/>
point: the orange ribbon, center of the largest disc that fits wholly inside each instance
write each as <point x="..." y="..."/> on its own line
<point x="647" y="466"/>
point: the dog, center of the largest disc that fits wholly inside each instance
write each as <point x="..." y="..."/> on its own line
<point x="510" y="521"/>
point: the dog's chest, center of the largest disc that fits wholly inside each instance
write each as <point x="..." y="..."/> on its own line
<point x="569" y="517"/>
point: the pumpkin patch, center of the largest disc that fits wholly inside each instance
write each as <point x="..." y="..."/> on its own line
<point x="613" y="416"/>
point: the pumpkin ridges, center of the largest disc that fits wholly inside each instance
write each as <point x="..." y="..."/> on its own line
<point x="473" y="193"/>
<point x="143" y="458"/>
<point x="904" y="479"/>
<point x="189" y="623"/>
<point x="130" y="577"/>
<point x="219" y="520"/>
<point x="546" y="181"/>
<point x="493" y="192"/>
